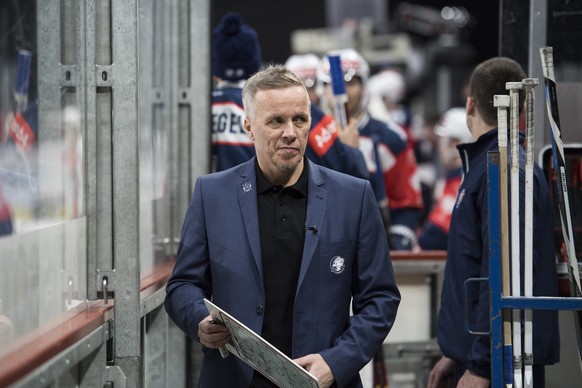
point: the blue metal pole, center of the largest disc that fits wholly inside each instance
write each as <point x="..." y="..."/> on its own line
<point x="495" y="270"/>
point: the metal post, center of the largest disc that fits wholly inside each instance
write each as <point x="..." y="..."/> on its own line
<point x="125" y="185"/>
<point x="495" y="270"/>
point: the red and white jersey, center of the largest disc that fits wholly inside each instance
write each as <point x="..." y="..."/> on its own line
<point x="440" y="214"/>
<point x="391" y="163"/>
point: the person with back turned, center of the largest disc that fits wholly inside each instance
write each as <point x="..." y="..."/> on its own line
<point x="467" y="358"/>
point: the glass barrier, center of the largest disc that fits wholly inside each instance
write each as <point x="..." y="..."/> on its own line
<point x="165" y="116"/>
<point x="42" y="206"/>
<point x="154" y="208"/>
<point x="154" y="79"/>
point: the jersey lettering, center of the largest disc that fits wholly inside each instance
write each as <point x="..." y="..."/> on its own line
<point x="227" y="124"/>
<point x="323" y="135"/>
<point x="225" y="121"/>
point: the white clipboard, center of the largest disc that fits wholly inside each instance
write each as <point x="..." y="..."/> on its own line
<point x="260" y="354"/>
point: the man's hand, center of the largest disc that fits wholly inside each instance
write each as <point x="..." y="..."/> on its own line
<point x="316" y="365"/>
<point x="471" y="380"/>
<point x="351" y="134"/>
<point x="212" y="335"/>
<point x="441" y="373"/>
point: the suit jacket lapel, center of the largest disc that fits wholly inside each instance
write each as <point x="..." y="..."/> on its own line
<point x="246" y="189"/>
<point x="316" y="205"/>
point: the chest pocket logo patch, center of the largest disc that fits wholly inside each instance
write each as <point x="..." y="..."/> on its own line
<point x="337" y="265"/>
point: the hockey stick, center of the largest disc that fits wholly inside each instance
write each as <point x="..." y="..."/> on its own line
<point x="560" y="168"/>
<point x="529" y="85"/>
<point x="338" y="85"/>
<point x="514" y="88"/>
<point x="502" y="103"/>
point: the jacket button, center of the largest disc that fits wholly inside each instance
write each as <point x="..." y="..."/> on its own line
<point x="259" y="309"/>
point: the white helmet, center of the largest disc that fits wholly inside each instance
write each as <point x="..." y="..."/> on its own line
<point x="305" y="66"/>
<point x="453" y="124"/>
<point x="388" y="84"/>
<point x="353" y="65"/>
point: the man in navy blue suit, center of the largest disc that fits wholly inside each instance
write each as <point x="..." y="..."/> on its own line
<point x="295" y="251"/>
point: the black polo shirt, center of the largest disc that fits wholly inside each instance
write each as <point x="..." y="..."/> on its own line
<point x="282" y="227"/>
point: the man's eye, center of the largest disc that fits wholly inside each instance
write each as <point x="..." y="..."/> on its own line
<point x="301" y="120"/>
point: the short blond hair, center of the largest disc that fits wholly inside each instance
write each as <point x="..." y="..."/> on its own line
<point x="269" y="77"/>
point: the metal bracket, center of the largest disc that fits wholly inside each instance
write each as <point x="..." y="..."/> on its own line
<point x="69" y="75"/>
<point x="106" y="285"/>
<point x="68" y="289"/>
<point x="104" y="75"/>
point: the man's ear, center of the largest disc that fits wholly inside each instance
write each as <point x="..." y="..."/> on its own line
<point x="470" y="105"/>
<point x="247" y="128"/>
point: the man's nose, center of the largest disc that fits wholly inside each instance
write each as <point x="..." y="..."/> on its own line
<point x="290" y="131"/>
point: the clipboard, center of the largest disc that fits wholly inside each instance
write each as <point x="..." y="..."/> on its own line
<point x="260" y="354"/>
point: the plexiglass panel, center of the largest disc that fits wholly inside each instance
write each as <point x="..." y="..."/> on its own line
<point x="155" y="115"/>
<point x="42" y="205"/>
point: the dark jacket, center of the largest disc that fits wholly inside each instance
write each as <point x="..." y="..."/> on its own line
<point x="345" y="264"/>
<point x="468" y="257"/>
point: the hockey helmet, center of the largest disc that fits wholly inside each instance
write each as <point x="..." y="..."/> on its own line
<point x="453" y="124"/>
<point x="388" y="84"/>
<point x="305" y="66"/>
<point x="353" y="65"/>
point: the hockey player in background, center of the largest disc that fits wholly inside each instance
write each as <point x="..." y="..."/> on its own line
<point x="384" y="144"/>
<point x="387" y="90"/>
<point x="236" y="55"/>
<point x="451" y="130"/>
<point x="305" y="66"/>
<point x="326" y="145"/>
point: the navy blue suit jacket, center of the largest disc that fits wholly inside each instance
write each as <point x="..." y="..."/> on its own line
<point x="219" y="257"/>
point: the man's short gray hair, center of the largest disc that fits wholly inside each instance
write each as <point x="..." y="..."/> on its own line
<point x="269" y="77"/>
